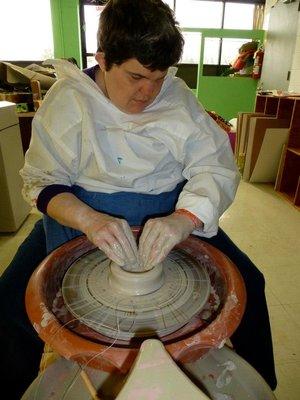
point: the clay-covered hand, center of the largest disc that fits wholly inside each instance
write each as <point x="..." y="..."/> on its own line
<point x="114" y="237"/>
<point x="160" y="235"/>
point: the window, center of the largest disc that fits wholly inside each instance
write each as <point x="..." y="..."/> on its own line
<point x="171" y="3"/>
<point x="90" y="11"/>
<point x="230" y="49"/>
<point x="191" y="50"/>
<point x="238" y="16"/>
<point x="24" y="23"/>
<point x="213" y="14"/>
<point x="189" y="14"/>
<point x="211" y="51"/>
<point x="219" y="53"/>
<point x="199" y="14"/>
<point x="234" y="14"/>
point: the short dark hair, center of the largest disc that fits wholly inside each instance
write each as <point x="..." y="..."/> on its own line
<point x="141" y="29"/>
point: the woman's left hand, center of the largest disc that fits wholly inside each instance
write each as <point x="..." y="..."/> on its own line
<point x="160" y="235"/>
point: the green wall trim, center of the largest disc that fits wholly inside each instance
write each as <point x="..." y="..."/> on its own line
<point x="66" y="29"/>
<point x="225" y="95"/>
<point x="256" y="34"/>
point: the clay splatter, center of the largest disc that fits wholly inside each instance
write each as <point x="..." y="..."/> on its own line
<point x="226" y="375"/>
<point x="46" y="316"/>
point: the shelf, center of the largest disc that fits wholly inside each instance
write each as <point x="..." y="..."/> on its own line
<point x="290" y="197"/>
<point x="29" y="114"/>
<point x="267" y="104"/>
<point x="295" y="123"/>
<point x="285" y="108"/>
<point x="288" y="175"/>
<point x="271" y="107"/>
<point x="288" y="182"/>
<point x="294" y="150"/>
<point x="260" y="103"/>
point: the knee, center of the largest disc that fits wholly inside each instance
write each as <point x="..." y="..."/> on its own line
<point x="4" y="299"/>
<point x="12" y="303"/>
<point x="254" y="279"/>
<point x="259" y="278"/>
<point x="252" y="276"/>
<point x="14" y="279"/>
<point x="250" y="273"/>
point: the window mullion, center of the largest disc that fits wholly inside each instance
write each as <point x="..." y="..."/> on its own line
<point x="82" y="34"/>
<point x="221" y="40"/>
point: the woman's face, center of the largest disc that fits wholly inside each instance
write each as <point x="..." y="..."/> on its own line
<point x="131" y="87"/>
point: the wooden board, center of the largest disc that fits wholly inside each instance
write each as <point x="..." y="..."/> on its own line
<point x="266" y="166"/>
<point x="257" y="129"/>
<point x="242" y="137"/>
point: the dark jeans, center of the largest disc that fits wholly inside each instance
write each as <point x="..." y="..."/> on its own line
<point x="21" y="348"/>
<point x="252" y="340"/>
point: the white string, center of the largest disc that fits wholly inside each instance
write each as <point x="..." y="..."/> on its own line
<point x="119" y="322"/>
<point x="84" y="366"/>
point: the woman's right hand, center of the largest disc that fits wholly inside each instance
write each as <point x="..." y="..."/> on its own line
<point x="114" y="237"/>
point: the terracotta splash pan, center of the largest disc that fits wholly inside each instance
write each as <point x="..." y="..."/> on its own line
<point x="73" y="340"/>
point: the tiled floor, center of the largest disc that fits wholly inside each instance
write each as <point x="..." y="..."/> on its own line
<point x="267" y="228"/>
<point x="10" y="242"/>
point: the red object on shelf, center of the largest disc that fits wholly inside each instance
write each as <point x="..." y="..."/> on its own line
<point x="258" y="61"/>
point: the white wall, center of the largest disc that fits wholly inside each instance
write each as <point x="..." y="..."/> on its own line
<point x="294" y="84"/>
<point x="268" y="6"/>
<point x="282" y="46"/>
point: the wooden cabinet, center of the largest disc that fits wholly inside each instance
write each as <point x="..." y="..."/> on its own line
<point x="13" y="208"/>
<point x="25" y="121"/>
<point x="288" y="177"/>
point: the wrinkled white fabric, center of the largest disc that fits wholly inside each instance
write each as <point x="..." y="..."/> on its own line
<point x="80" y="138"/>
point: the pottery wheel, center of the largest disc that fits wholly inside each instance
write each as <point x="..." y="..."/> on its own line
<point x="90" y="297"/>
